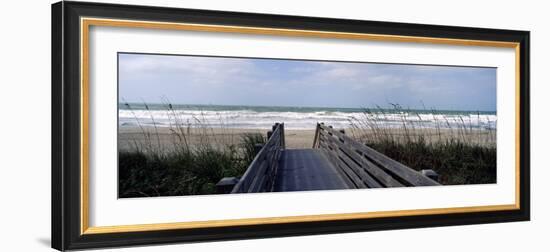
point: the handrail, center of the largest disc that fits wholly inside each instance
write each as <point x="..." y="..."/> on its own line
<point x="316" y="136"/>
<point x="363" y="166"/>
<point x="261" y="173"/>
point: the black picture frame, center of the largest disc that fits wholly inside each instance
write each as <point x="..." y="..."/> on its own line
<point x="66" y="114"/>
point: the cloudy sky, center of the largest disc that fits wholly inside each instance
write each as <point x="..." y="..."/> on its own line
<point x="266" y="82"/>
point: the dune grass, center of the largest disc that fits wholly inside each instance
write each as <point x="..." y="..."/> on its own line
<point x="151" y="169"/>
<point x="460" y="150"/>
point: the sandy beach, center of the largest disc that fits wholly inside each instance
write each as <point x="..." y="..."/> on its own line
<point x="128" y="136"/>
<point x="294" y="139"/>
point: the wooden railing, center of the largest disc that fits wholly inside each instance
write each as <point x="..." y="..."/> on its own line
<point x="363" y="166"/>
<point x="261" y="173"/>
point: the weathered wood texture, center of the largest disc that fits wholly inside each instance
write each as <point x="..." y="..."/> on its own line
<point x="261" y="173"/>
<point x="363" y="166"/>
<point x="307" y="169"/>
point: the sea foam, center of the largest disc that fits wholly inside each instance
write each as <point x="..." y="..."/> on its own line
<point x="296" y="119"/>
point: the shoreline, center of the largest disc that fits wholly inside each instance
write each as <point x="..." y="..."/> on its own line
<point x="294" y="138"/>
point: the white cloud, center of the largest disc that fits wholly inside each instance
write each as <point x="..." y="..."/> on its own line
<point x="286" y="82"/>
<point x="202" y="70"/>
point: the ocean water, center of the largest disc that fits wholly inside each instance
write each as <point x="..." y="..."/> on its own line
<point x="262" y="117"/>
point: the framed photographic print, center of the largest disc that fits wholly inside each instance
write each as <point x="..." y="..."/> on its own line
<point x="179" y="125"/>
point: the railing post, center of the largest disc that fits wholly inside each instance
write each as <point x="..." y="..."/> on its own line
<point x="282" y="135"/>
<point x="269" y="133"/>
<point x="430" y="174"/>
<point x="226" y="185"/>
<point x="316" y="136"/>
<point x="341" y="139"/>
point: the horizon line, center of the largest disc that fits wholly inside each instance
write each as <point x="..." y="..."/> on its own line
<point x="296" y="106"/>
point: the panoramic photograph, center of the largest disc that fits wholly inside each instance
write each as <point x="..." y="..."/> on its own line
<point x="198" y="125"/>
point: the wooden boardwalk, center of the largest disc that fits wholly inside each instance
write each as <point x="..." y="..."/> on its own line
<point x="305" y="170"/>
<point x="335" y="161"/>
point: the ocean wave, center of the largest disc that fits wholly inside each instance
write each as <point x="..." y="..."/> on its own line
<point x="299" y="120"/>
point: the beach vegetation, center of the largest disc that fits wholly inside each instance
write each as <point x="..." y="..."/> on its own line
<point x="151" y="168"/>
<point x="461" y="149"/>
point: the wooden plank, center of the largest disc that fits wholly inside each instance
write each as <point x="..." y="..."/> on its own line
<point x="364" y="176"/>
<point x="357" y="180"/>
<point x="326" y="143"/>
<point x="316" y="136"/>
<point x="252" y="171"/>
<point x="308" y="169"/>
<point x="258" y="182"/>
<point x="375" y="171"/>
<point x="322" y="139"/>
<point x="347" y="178"/>
<point x="275" y="138"/>
<point x="272" y="160"/>
<point x="259" y="177"/>
<point x="342" y="173"/>
<point x="256" y="171"/>
<point x="283" y="144"/>
<point x="357" y="183"/>
<point x="407" y="174"/>
<point x="273" y="163"/>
